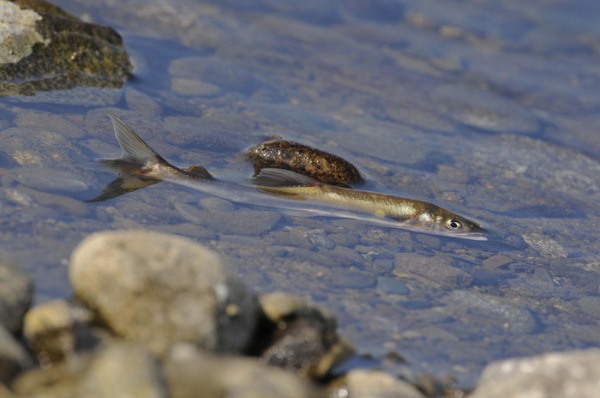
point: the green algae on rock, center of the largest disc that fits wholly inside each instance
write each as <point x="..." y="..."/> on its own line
<point x="44" y="48"/>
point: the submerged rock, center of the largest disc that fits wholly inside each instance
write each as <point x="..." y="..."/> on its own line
<point x="160" y="289"/>
<point x="44" y="48"/>
<point x="492" y="312"/>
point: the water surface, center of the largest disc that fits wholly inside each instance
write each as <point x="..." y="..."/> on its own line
<point x="489" y="108"/>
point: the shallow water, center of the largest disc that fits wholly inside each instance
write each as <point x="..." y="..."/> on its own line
<point x="489" y="108"/>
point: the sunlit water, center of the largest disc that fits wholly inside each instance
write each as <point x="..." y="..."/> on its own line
<point x="490" y="109"/>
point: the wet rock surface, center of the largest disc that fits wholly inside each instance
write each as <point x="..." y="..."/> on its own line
<point x="45" y="48"/>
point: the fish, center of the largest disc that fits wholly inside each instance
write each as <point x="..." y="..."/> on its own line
<point x="286" y="190"/>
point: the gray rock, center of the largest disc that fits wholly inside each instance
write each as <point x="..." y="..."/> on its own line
<point x="140" y="102"/>
<point x="546" y="246"/>
<point x="160" y="289"/>
<point x="13" y="357"/>
<point x="244" y="221"/>
<point x="16" y="292"/>
<point x="353" y="279"/>
<point x="45" y="179"/>
<point x="216" y="204"/>
<point x="192" y="374"/>
<point x="572" y="374"/>
<point x="485" y="110"/>
<point x="372" y="384"/>
<point x="491" y="311"/>
<point x="430" y="273"/>
<point x="119" y="369"/>
<point x="391" y="286"/>
<point x="590" y="305"/>
<point x="39" y="147"/>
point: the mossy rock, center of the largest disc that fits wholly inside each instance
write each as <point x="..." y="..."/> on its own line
<point x="44" y="48"/>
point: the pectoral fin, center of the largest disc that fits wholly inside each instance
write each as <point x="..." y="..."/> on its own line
<point x="279" y="178"/>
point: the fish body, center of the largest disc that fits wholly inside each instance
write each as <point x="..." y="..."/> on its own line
<point x="303" y="195"/>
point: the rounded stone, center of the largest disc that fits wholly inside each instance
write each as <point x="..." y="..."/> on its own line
<point x="55" y="330"/>
<point x="160" y="289"/>
<point x="568" y="374"/>
<point x="192" y="373"/>
<point x="117" y="369"/>
<point x="373" y="384"/>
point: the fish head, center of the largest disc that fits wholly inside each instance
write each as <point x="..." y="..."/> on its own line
<point x="461" y="224"/>
<point x="453" y="223"/>
<point x="444" y="222"/>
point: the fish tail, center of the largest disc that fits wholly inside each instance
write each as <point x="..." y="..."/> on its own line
<point x="139" y="165"/>
<point x="135" y="150"/>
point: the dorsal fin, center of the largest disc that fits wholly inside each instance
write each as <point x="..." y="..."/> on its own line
<point x="279" y="178"/>
<point x="135" y="150"/>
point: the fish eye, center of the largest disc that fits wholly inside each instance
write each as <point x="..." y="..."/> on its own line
<point x="453" y="224"/>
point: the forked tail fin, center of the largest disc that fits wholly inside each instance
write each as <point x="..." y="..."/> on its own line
<point x="140" y="166"/>
<point x="135" y="157"/>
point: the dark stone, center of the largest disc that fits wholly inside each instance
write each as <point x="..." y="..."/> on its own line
<point x="13" y="357"/>
<point x="302" y="159"/>
<point x="300" y="337"/>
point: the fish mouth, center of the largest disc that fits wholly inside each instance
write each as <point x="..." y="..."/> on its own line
<point x="475" y="227"/>
<point x="475" y="232"/>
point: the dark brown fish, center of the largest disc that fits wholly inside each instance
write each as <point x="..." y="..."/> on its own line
<point x="314" y="163"/>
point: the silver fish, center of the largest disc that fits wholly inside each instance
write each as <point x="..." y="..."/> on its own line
<point x="292" y="193"/>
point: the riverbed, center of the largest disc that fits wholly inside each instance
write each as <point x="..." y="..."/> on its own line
<point x="488" y="108"/>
